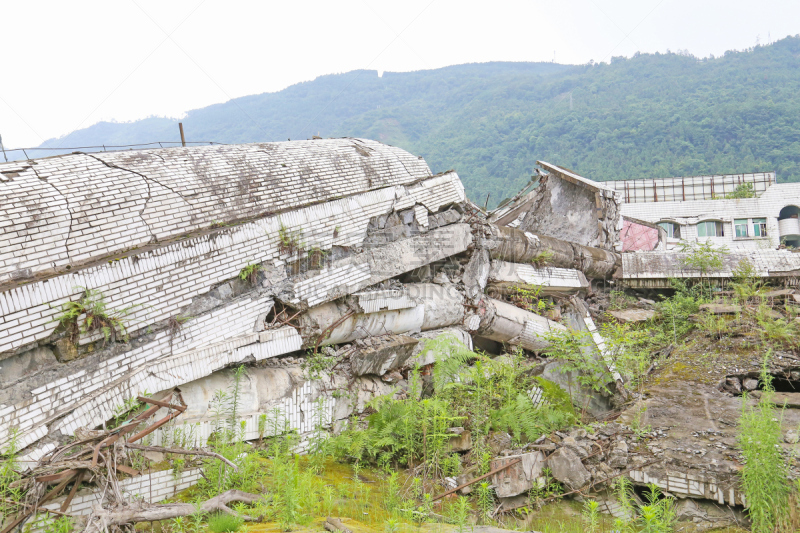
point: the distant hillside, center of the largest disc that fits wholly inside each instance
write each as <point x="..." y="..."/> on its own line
<point x="649" y="116"/>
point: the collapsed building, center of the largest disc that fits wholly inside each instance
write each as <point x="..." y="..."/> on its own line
<point x="207" y="258"/>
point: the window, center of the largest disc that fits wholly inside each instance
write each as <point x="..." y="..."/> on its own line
<point x="710" y="228"/>
<point x="673" y="230"/>
<point x="740" y="225"/>
<point x="759" y="227"/>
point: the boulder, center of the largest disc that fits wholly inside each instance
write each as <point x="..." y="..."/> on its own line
<point x="566" y="467"/>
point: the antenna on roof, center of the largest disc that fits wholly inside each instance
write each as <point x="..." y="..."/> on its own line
<point x="3" y="149"/>
<point x="183" y="139"/>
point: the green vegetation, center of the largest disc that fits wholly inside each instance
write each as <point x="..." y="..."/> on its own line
<point x="224" y="523"/>
<point x="743" y="190"/>
<point x="765" y="473"/>
<point x="469" y="390"/>
<point x="96" y="317"/>
<point x="289" y="241"/>
<point x="250" y="273"/>
<point x="652" y="115"/>
<point x="9" y="493"/>
<point x="703" y="256"/>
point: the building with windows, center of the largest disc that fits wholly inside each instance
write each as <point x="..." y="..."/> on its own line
<point x="711" y="208"/>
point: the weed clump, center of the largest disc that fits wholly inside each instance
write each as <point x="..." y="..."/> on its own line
<point x="96" y="317"/>
<point x="765" y="472"/>
<point x="250" y="273"/>
<point x="224" y="523"/>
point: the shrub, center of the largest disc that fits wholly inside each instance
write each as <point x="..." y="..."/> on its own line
<point x="224" y="523"/>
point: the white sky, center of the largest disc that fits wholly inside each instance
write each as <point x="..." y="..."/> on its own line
<point x="68" y="65"/>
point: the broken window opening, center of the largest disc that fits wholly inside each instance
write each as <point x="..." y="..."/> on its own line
<point x="282" y="315"/>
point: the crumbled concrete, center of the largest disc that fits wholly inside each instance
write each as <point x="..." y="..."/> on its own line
<point x="384" y="354"/>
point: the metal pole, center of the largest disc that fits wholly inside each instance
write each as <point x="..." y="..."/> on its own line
<point x="3" y="148"/>
<point x="183" y="139"/>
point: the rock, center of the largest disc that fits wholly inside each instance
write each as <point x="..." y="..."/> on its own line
<point x="513" y="502"/>
<point x="721" y="309"/>
<point x="65" y="350"/>
<point x="392" y="377"/>
<point x="733" y="384"/>
<point x="573" y="445"/>
<point x="499" y="441"/>
<point x="441" y="278"/>
<point x="750" y="383"/>
<point x="461" y="442"/>
<point x="578" y="433"/>
<point x="618" y="455"/>
<point x="787" y="399"/>
<point x="384" y="357"/>
<point x="518" y="478"/>
<point x="566" y="467"/>
<point x="633" y="315"/>
<point x="791" y="436"/>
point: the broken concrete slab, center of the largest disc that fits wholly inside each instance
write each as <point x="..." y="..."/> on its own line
<point x="391" y="352"/>
<point x="547" y="280"/>
<point x="633" y="315"/>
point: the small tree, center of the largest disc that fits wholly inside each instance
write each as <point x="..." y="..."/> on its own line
<point x="703" y="256"/>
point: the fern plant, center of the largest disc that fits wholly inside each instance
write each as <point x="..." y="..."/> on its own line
<point x="96" y="317"/>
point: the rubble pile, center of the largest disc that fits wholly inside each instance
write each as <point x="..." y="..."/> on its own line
<point x="324" y="266"/>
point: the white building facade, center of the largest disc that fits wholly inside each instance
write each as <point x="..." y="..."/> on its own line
<point x="696" y="209"/>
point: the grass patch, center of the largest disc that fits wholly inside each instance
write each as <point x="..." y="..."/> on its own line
<point x="224" y="523"/>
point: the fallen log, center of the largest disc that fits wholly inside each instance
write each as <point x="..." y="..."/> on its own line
<point x="100" y="519"/>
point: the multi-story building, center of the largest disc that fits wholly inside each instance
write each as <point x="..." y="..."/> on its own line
<point x="706" y="208"/>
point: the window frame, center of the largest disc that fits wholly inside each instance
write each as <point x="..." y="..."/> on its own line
<point x="719" y="228"/>
<point x="674" y="230"/>
<point x="760" y="227"/>
<point x="741" y="222"/>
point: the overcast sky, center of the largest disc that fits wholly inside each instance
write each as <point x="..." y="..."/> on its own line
<point x="68" y="65"/>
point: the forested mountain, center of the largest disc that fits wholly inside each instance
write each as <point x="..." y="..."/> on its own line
<point x="653" y="115"/>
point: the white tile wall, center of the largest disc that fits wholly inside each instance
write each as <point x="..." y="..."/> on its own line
<point x="163" y="281"/>
<point x="69" y="209"/>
